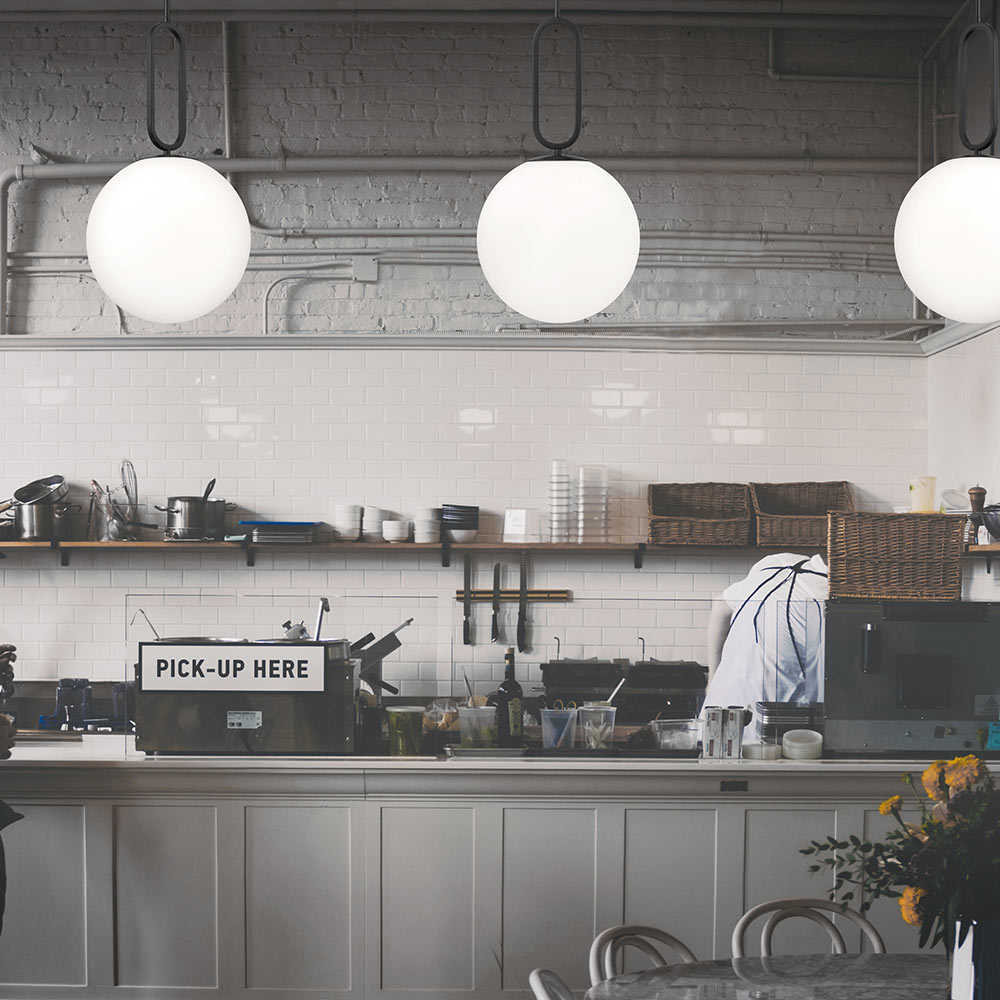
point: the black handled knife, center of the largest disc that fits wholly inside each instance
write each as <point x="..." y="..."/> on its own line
<point x="467" y="602"/>
<point x="495" y="625"/>
<point x="522" y="605"/>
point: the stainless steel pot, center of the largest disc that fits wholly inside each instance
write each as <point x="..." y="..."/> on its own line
<point x="49" y="490"/>
<point x="42" y="522"/>
<point x="196" y="517"/>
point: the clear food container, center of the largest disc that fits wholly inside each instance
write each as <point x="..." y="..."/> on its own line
<point x="677" y="734"/>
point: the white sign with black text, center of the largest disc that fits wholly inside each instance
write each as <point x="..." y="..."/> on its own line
<point x="236" y="667"/>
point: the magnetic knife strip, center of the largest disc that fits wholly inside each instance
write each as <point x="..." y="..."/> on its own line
<point x="514" y="595"/>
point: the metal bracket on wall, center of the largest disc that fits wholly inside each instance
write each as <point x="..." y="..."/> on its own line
<point x="640" y="551"/>
<point x="514" y="595"/>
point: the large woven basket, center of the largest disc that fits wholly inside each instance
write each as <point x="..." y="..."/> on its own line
<point x="912" y="556"/>
<point x="795" y="513"/>
<point x="699" y="514"/>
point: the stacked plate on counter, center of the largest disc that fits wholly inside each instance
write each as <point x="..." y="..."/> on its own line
<point x="560" y="501"/>
<point x="461" y="522"/>
<point x="775" y="718"/>
<point x="427" y="525"/>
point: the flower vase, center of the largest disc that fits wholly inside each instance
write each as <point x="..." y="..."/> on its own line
<point x="975" y="964"/>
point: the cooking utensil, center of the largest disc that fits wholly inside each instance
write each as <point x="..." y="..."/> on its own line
<point x="52" y="488"/>
<point x="522" y="605"/>
<point x="41" y="522"/>
<point x="467" y="600"/>
<point x="208" y="489"/>
<point x="131" y="487"/>
<point x="495" y="623"/>
<point x="324" y="602"/>
<point x="361" y="643"/>
<point x="468" y="687"/>
<point x="377" y="652"/>
<point x="196" y="517"/>
<point x="618" y="687"/>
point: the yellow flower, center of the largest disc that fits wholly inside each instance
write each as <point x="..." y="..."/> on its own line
<point x="909" y="904"/>
<point x="932" y="780"/>
<point x="892" y="804"/>
<point x="964" y="773"/>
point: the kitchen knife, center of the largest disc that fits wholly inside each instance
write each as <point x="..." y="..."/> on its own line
<point x="467" y="601"/>
<point x="495" y="624"/>
<point x="522" y="604"/>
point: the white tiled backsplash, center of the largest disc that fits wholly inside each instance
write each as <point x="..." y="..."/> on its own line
<point x="291" y="433"/>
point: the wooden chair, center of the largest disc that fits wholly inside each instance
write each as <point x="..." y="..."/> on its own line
<point x="546" y="985"/>
<point x="605" y="960"/>
<point x="782" y="909"/>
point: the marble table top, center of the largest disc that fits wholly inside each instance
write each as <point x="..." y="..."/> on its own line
<point x="787" y="977"/>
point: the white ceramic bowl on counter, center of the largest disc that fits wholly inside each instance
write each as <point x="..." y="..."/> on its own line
<point x="396" y="531"/>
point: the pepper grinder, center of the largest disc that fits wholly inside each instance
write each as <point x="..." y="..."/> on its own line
<point x="977" y="500"/>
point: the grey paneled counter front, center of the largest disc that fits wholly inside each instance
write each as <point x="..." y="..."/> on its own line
<point x="394" y="878"/>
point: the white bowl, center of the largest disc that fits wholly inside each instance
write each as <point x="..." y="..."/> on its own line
<point x="802" y="744"/>
<point x="462" y="534"/>
<point x="395" y="531"/>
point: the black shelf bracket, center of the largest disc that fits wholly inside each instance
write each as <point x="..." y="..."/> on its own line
<point x="63" y="554"/>
<point x="251" y="553"/>
<point x="445" y="551"/>
<point x="640" y="551"/>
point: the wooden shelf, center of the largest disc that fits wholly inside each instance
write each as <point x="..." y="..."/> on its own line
<point x="987" y="552"/>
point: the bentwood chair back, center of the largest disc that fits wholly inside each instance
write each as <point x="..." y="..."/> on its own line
<point x="546" y="985"/>
<point x="606" y="952"/>
<point x="781" y="909"/>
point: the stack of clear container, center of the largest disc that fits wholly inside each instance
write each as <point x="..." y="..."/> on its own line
<point x="560" y="501"/>
<point x="592" y="504"/>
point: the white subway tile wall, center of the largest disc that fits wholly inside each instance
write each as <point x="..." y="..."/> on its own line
<point x="290" y="434"/>
<point x="962" y="397"/>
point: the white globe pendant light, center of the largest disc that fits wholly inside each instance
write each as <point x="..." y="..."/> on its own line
<point x="168" y="238"/>
<point x="947" y="233"/>
<point x="558" y="237"/>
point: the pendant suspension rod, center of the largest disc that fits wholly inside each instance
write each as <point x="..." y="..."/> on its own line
<point x="990" y="35"/>
<point x="154" y="136"/>
<point x="557" y="20"/>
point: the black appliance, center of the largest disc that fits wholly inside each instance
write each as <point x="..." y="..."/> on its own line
<point x="287" y="697"/>
<point x="915" y="678"/>
<point x="665" y="689"/>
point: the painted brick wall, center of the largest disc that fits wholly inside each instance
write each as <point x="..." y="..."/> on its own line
<point x="75" y="91"/>
<point x="293" y="432"/>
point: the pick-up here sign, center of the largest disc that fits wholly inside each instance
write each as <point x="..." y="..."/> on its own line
<point x="236" y="667"/>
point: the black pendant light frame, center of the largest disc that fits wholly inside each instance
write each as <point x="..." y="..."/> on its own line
<point x="557" y="20"/>
<point x="979" y="26"/>
<point x="165" y="26"/>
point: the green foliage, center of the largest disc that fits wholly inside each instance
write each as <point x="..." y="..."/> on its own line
<point x="945" y="869"/>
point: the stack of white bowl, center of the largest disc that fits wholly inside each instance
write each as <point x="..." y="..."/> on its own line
<point x="802" y="744"/>
<point x="347" y="522"/>
<point x="592" y="504"/>
<point x="560" y="501"/>
<point x="427" y="525"/>
<point x="371" y="523"/>
<point x="396" y="531"/>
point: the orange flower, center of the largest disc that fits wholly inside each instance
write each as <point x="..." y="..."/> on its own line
<point x="933" y="779"/>
<point x="892" y="804"/>
<point x="909" y="904"/>
<point x="964" y="773"/>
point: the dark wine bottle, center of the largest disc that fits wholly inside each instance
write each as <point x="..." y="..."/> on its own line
<point x="510" y="706"/>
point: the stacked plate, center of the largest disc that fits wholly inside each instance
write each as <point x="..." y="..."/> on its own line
<point x="347" y="522"/>
<point x="592" y="504"/>
<point x="459" y="521"/>
<point x="284" y="532"/>
<point x="371" y="523"/>
<point x="775" y="718"/>
<point x="560" y="501"/>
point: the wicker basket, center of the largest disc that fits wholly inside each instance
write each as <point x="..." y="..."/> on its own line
<point x="699" y="514"/>
<point x="912" y="556"/>
<point x="795" y="513"/>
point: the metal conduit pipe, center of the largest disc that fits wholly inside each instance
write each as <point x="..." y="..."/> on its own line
<point x="370" y="164"/>
<point x="737" y="18"/>
<point x="774" y="74"/>
<point x="289" y="277"/>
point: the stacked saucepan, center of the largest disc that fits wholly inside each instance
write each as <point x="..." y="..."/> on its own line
<point x="39" y="513"/>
